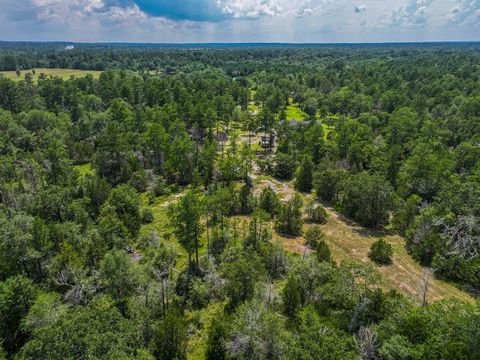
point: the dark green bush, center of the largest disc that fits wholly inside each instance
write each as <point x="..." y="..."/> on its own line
<point x="381" y="252"/>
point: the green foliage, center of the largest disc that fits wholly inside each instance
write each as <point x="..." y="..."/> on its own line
<point x="304" y="180"/>
<point x="147" y="216"/>
<point x="405" y="214"/>
<point x="327" y="184"/>
<point x="217" y="337"/>
<point x="315" y="340"/>
<point x="284" y="166"/>
<point x="289" y="218"/>
<point x="313" y="235"/>
<point x="291" y="297"/>
<point x="367" y="198"/>
<point x="118" y="275"/>
<point x="323" y="252"/>
<point x="125" y="202"/>
<point x="85" y="273"/>
<point x="316" y="213"/>
<point x="241" y="274"/>
<point x="381" y="252"/>
<point x="269" y="201"/>
<point x="17" y="295"/>
<point x="171" y="336"/>
<point x="95" y="331"/>
<point x="245" y="200"/>
<point x="114" y="158"/>
<point x="185" y="217"/>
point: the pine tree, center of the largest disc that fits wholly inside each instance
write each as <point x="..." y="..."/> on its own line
<point x="185" y="218"/>
<point x="291" y="297"/>
<point x="304" y="181"/>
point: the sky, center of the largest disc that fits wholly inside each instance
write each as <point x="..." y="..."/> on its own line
<point x="190" y="21"/>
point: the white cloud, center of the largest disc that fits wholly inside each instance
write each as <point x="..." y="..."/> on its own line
<point x="466" y="13"/>
<point x="241" y="20"/>
<point x="412" y="14"/>
<point x="250" y="8"/>
<point x="360" y="8"/>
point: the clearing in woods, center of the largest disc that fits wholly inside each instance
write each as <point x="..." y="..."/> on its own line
<point x="349" y="241"/>
<point x="62" y="73"/>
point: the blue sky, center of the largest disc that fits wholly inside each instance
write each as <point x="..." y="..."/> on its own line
<point x="240" y="20"/>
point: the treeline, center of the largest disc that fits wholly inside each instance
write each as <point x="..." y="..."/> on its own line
<point x="89" y="261"/>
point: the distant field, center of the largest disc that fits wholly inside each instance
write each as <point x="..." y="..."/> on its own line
<point x="62" y="73"/>
<point x="295" y="113"/>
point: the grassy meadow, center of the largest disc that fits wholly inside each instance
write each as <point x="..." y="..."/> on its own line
<point x="50" y="73"/>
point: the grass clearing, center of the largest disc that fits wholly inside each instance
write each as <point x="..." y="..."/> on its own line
<point x="85" y="169"/>
<point x="294" y="112"/>
<point x="161" y="224"/>
<point x="202" y="320"/>
<point x="349" y="241"/>
<point x="65" y="74"/>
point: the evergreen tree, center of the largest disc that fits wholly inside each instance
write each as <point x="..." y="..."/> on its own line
<point x="289" y="219"/>
<point x="185" y="218"/>
<point x="304" y="180"/>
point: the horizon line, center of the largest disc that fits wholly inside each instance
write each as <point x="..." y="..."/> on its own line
<point x="238" y="42"/>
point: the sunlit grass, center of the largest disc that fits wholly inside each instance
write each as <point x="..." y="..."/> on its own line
<point x="350" y="242"/>
<point x="61" y="73"/>
<point x="85" y="169"/>
<point x="295" y="113"/>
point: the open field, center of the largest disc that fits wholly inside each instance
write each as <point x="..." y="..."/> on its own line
<point x="62" y="73"/>
<point x="295" y="113"/>
<point x="349" y="241"/>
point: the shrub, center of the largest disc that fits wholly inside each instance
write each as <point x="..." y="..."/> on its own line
<point x="289" y="219"/>
<point x="313" y="235"/>
<point x="323" y="251"/>
<point x="381" y="252"/>
<point x="147" y="216"/>
<point x="284" y="167"/>
<point x="316" y="214"/>
<point x="367" y="198"/>
<point x="269" y="201"/>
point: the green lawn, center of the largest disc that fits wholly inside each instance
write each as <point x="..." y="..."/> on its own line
<point x="294" y="112"/>
<point x="62" y="73"/>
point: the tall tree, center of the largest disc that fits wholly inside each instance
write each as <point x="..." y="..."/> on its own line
<point x="185" y="218"/>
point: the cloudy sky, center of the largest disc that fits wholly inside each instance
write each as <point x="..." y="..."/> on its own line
<point x="240" y="20"/>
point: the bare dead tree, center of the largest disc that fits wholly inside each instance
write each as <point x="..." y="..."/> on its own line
<point x="367" y="344"/>
<point x="424" y="285"/>
<point x="79" y="287"/>
<point x="463" y="235"/>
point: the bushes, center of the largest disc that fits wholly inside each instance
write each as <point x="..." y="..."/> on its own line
<point x="381" y="252"/>
<point x="367" y="198"/>
<point x="323" y="252"/>
<point x="327" y="184"/>
<point x="284" y="167"/>
<point x="147" y="216"/>
<point x="269" y="201"/>
<point x="304" y="181"/>
<point x="315" y="239"/>
<point x="289" y="219"/>
<point x="313" y="236"/>
<point x="316" y="214"/>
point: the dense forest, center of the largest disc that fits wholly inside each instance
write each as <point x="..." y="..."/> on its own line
<point x="147" y="214"/>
